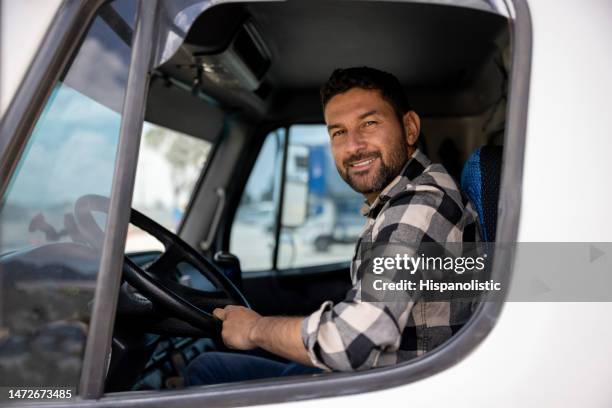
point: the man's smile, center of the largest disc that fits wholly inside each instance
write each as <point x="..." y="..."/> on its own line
<point x="362" y="164"/>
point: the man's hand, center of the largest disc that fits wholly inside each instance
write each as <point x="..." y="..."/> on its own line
<point x="244" y="329"/>
<point x="238" y="322"/>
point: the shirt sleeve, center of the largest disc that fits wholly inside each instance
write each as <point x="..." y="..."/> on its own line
<point x="354" y="334"/>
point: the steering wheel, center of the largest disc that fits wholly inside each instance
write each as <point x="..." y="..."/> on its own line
<point x="156" y="282"/>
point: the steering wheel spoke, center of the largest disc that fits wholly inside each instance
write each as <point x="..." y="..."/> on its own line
<point x="165" y="263"/>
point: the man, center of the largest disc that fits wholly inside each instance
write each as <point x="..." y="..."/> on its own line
<point x="373" y="136"/>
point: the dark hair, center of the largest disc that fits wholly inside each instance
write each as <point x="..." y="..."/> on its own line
<point x="344" y="79"/>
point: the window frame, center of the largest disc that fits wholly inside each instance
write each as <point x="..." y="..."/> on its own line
<point x="65" y="35"/>
<point x="479" y="326"/>
<point x="102" y="322"/>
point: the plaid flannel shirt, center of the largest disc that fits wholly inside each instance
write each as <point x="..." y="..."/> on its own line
<point x="422" y="204"/>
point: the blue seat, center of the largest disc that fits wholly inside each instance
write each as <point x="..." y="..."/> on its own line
<point x="480" y="180"/>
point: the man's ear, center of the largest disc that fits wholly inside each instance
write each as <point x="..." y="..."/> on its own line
<point x="412" y="126"/>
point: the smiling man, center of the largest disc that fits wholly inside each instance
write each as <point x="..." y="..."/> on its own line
<point x="408" y="200"/>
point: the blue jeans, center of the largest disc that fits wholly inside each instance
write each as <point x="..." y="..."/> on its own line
<point x="217" y="367"/>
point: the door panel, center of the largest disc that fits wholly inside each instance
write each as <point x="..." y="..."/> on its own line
<point x="295" y="293"/>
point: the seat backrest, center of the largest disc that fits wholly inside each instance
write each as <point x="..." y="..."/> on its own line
<point x="480" y="180"/>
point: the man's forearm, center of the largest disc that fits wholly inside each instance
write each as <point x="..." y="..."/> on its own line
<point x="281" y="336"/>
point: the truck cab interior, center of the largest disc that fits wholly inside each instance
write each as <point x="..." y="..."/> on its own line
<point x="244" y="71"/>
<point x="235" y="112"/>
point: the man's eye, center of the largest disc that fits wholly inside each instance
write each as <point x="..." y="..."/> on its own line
<point x="370" y="123"/>
<point x="337" y="133"/>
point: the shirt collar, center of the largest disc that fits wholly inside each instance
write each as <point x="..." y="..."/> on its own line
<point x="413" y="168"/>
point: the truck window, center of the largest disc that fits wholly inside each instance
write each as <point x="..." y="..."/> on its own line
<point x="320" y="220"/>
<point x="252" y="237"/>
<point x="169" y="166"/>
<point x="329" y="230"/>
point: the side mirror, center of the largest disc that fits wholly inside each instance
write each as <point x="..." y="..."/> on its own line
<point x="297" y="186"/>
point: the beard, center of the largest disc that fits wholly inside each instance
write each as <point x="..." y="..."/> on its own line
<point x="381" y="176"/>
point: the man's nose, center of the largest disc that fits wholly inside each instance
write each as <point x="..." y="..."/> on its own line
<point x="355" y="141"/>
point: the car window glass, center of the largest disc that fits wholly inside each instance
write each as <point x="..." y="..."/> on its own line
<point x="169" y="166"/>
<point x="329" y="230"/>
<point x="252" y="235"/>
<point x="47" y="268"/>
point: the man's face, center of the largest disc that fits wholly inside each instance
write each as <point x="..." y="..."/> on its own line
<point x="368" y="141"/>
